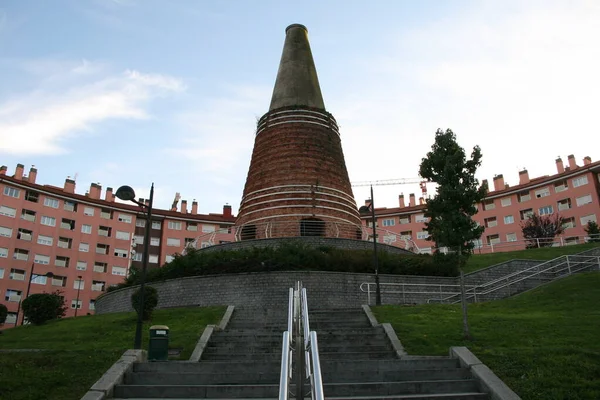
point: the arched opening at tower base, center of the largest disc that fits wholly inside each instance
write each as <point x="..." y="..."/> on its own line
<point x="312" y="227"/>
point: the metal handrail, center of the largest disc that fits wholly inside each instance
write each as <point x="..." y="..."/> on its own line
<point x="286" y="351"/>
<point x="311" y="353"/>
<point x="440" y="291"/>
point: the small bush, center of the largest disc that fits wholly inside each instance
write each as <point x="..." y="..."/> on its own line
<point x="593" y="231"/>
<point x="43" y="307"/>
<point x="3" y="313"/>
<point x="150" y="301"/>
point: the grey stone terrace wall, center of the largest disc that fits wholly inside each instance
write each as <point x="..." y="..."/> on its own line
<point x="313" y="241"/>
<point x="264" y="289"/>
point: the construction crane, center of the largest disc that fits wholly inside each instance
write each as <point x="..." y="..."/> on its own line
<point x="400" y="181"/>
<point x="175" y="201"/>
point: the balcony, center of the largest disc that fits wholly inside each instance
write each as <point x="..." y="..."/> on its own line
<point x="103" y="232"/>
<point x="192" y="228"/>
<point x="17" y="277"/>
<point x="61" y="263"/>
<point x="97" y="287"/>
<point x="69" y="207"/>
<point x="58" y="282"/>
<point x="105" y="215"/>
<point x="28" y="217"/>
<point x="101" y="251"/>
<point x="21" y="256"/>
<point x="64" y="245"/>
<point x="562" y="207"/>
<point x="25" y="236"/>
<point x="98" y="268"/>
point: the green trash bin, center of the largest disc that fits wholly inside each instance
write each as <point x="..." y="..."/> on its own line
<point x="158" y="349"/>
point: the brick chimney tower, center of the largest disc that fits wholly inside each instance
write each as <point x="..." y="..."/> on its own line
<point x="297" y="182"/>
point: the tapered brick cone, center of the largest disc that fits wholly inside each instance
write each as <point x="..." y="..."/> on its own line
<point x="297" y="184"/>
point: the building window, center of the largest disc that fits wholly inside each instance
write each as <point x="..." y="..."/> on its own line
<point x="59" y="281"/>
<point x="106" y="214"/>
<point x="6" y="232"/>
<point x="312" y="227"/>
<point x="120" y="271"/>
<point x="511" y="237"/>
<point x="86" y="229"/>
<point x="153" y="259"/>
<point x="422" y="235"/>
<point x="40" y="259"/>
<point x="564" y="204"/>
<point x="542" y="192"/>
<point x="89" y="211"/>
<point x="560" y="186"/>
<point x="122" y="235"/>
<point x="169" y="259"/>
<point x="526" y="214"/>
<point x="587" y="218"/>
<point x="141" y="223"/>
<point x="49" y="221"/>
<point x="582" y="180"/>
<point x="489" y="205"/>
<point x="154" y="241"/>
<point x="583" y="200"/>
<point x="120" y="253"/>
<point x="84" y="247"/>
<point x="546" y="210"/>
<point x="12" y="192"/>
<point x="507" y="201"/>
<point x="509" y="219"/>
<point x="24" y="234"/>
<point x="76" y="304"/>
<point x="104" y="231"/>
<point x="50" y="202"/>
<point x="79" y="284"/>
<point x="28" y="215"/>
<point x="137" y="239"/>
<point x="3" y="254"/>
<point x="389" y="222"/>
<point x="176" y="225"/>
<point x="8" y="211"/>
<point x="70" y="206"/>
<point x="98" y="286"/>
<point x="192" y="226"/>
<point x="137" y="257"/>
<point x="173" y="242"/>
<point x="248" y="232"/>
<point x="493" y="239"/>
<point x="92" y="305"/>
<point x="45" y="240"/>
<point x="81" y="266"/>
<point x="39" y="280"/>
<point x="125" y="218"/>
<point x="490" y="222"/>
<point x="156" y="225"/>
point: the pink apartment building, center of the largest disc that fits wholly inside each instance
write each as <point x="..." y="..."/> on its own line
<point x="88" y="243"/>
<point x="573" y="192"/>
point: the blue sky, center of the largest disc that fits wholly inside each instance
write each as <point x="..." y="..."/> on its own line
<point x="133" y="92"/>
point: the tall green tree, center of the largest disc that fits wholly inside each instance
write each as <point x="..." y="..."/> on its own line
<point x="451" y="210"/>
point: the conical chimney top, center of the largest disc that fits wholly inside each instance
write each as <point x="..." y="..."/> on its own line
<point x="297" y="83"/>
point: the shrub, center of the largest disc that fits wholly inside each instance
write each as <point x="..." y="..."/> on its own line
<point x="3" y="313"/>
<point x="43" y="307"/>
<point x="540" y="230"/>
<point x="593" y="231"/>
<point x="150" y="301"/>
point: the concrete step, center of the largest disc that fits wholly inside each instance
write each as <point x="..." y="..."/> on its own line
<point x="367" y="366"/>
<point x="397" y="388"/>
<point x="331" y="356"/>
<point x="196" y="391"/>
<point x="256" y="357"/>
<point x="178" y="378"/>
<point x="208" y="367"/>
<point x="444" y="396"/>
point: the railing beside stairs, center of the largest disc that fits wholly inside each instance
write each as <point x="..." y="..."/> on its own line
<point x="299" y="335"/>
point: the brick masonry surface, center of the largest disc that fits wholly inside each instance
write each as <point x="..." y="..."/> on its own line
<point x="325" y="289"/>
<point x="313" y="241"/>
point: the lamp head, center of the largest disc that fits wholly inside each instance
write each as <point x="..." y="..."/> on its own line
<point x="49" y="274"/>
<point x="125" y="193"/>
<point x="364" y="210"/>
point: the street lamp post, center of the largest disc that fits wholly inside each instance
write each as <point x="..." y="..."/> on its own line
<point x="126" y="193"/>
<point x="78" y="290"/>
<point x="364" y="210"/>
<point x="31" y="275"/>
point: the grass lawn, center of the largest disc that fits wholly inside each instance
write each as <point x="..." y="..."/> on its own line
<point x="543" y="343"/>
<point x="80" y="350"/>
<point x="479" y="261"/>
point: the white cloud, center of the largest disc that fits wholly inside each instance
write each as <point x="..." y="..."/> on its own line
<point x="39" y="122"/>
<point x="522" y="83"/>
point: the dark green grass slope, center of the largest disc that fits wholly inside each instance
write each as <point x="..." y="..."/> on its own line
<point x="544" y="343"/>
<point x="77" y="351"/>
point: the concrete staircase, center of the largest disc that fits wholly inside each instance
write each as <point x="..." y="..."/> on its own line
<point x="358" y="362"/>
<point x="243" y="361"/>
